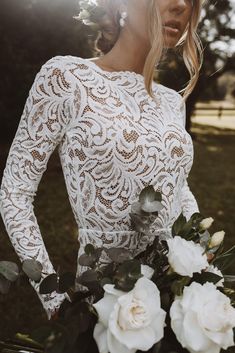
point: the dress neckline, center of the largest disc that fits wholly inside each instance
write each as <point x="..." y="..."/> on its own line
<point x="115" y="73"/>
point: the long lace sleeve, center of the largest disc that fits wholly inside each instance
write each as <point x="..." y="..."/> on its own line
<point x="188" y="202"/>
<point x="42" y="126"/>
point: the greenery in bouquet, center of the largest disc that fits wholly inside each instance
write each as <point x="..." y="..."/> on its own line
<point x="172" y="297"/>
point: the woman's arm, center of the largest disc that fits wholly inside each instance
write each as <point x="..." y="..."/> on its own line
<point x="188" y="202"/>
<point x="41" y="128"/>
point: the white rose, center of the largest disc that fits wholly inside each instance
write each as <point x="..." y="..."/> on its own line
<point x="203" y="319"/>
<point x="129" y="321"/>
<point x="216" y="271"/>
<point x="186" y="257"/>
<point x="206" y="223"/>
<point x="217" y="239"/>
<point x="147" y="271"/>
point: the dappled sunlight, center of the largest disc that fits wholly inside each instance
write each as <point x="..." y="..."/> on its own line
<point x="214" y="149"/>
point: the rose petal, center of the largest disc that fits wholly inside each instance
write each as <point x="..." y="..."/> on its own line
<point x="143" y="340"/>
<point x="115" y="346"/>
<point x="104" y="307"/>
<point x="100" y="336"/>
<point x="147" y="271"/>
<point x="158" y="325"/>
<point x="109" y="288"/>
<point x="223" y="339"/>
<point x="193" y="333"/>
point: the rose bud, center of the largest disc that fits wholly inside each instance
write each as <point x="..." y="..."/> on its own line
<point x="206" y="223"/>
<point x="216" y="239"/>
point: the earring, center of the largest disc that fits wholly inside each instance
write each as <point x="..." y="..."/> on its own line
<point x="122" y="19"/>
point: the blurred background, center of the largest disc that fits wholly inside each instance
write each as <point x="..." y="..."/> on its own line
<point x="33" y="31"/>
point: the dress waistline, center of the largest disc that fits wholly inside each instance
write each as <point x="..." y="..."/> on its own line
<point x="119" y="236"/>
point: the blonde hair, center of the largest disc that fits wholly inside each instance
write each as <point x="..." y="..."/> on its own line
<point x="189" y="44"/>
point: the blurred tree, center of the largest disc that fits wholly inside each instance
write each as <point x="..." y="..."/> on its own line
<point x="31" y="32"/>
<point x="217" y="34"/>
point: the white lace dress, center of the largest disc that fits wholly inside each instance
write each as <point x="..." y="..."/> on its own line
<point x="113" y="140"/>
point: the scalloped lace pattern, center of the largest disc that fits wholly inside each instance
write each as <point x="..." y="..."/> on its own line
<point x="113" y="140"/>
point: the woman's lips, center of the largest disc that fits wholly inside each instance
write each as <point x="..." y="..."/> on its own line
<point x="172" y="27"/>
<point x="171" y="30"/>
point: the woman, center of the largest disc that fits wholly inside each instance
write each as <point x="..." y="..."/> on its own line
<point x="116" y="130"/>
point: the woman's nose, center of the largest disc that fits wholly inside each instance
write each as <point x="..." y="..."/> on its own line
<point x="179" y="6"/>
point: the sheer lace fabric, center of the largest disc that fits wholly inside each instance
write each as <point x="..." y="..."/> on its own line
<point x="113" y="139"/>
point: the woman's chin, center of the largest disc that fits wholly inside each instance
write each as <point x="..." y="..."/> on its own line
<point x="170" y="42"/>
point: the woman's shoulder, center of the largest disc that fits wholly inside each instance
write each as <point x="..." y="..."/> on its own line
<point x="173" y="97"/>
<point x="168" y="92"/>
<point x="63" y="60"/>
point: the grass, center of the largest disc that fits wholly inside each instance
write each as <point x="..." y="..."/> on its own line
<point x="212" y="181"/>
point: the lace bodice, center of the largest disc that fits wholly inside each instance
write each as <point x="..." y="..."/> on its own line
<point x="113" y="139"/>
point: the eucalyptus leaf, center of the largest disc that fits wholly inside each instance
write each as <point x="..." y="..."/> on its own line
<point x="4" y="285"/>
<point x="105" y="280"/>
<point x="136" y="208"/>
<point x="152" y="207"/>
<point x="89" y="278"/>
<point x="118" y="254"/>
<point x="49" y="284"/>
<point x="127" y="275"/>
<point x="66" y="281"/>
<point x="140" y="224"/>
<point x="9" y="270"/>
<point x="196" y="218"/>
<point x="87" y="260"/>
<point x="33" y="269"/>
<point x="187" y="230"/>
<point x="89" y="249"/>
<point x="148" y="194"/>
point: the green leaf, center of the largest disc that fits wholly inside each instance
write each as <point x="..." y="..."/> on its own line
<point x="89" y="249"/>
<point x="118" y="254"/>
<point x="105" y="280"/>
<point x="4" y="285"/>
<point x="177" y="286"/>
<point x="66" y="281"/>
<point x="148" y="194"/>
<point x="206" y="277"/>
<point x="226" y="259"/>
<point x="150" y="200"/>
<point x="136" y="208"/>
<point x="49" y="284"/>
<point x="152" y="207"/>
<point x="26" y="339"/>
<point x="196" y="218"/>
<point x="87" y="260"/>
<point x="140" y="223"/>
<point x="9" y="270"/>
<point x="127" y="274"/>
<point x="89" y="278"/>
<point x="178" y="224"/>
<point x="33" y="269"/>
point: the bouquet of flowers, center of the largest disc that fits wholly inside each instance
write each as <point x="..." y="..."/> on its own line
<point x="172" y="297"/>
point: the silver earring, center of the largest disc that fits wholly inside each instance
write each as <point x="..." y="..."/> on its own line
<point x="122" y="19"/>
